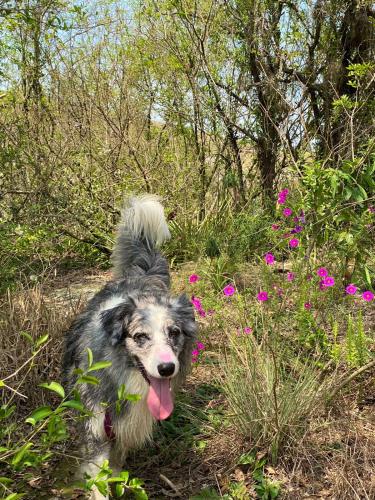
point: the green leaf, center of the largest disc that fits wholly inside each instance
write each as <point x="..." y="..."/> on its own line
<point x="2" y="383"/>
<point x="41" y="340"/>
<point x="20" y="454"/>
<point x="28" y="337"/>
<point x="102" y="487"/>
<point x="55" y="387"/>
<point x="75" y="405"/>
<point x="368" y="277"/>
<point x="133" y="397"/>
<point x="122" y="477"/>
<point x="5" y="480"/>
<point x="88" y="379"/>
<point x="99" y="365"/>
<point x="119" y="489"/>
<point x="15" y="496"/>
<point x="39" y="414"/>
<point x="89" y="357"/>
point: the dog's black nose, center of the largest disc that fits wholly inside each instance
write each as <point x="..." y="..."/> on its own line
<point x="166" y="369"/>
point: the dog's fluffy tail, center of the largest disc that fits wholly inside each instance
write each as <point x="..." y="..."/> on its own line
<point x="142" y="229"/>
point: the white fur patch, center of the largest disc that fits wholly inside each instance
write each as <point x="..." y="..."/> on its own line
<point x="145" y="215"/>
<point x="111" y="303"/>
<point x="159" y="319"/>
<point x="96" y="423"/>
<point x="136" y="426"/>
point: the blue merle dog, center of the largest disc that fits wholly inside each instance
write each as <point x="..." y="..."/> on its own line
<point x="146" y="334"/>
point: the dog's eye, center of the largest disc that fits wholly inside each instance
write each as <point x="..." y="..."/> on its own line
<point x="174" y="331"/>
<point x="141" y="338"/>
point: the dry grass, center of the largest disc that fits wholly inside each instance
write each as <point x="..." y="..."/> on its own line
<point x="29" y="312"/>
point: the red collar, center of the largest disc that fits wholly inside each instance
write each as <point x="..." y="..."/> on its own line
<point x="108" y="426"/>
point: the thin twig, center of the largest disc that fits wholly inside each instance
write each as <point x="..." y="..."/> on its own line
<point x="352" y="376"/>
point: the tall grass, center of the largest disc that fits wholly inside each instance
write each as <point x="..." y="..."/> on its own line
<point x="271" y="394"/>
<point x="25" y="316"/>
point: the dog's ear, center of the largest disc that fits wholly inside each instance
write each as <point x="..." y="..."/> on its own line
<point x="115" y="320"/>
<point x="183" y="309"/>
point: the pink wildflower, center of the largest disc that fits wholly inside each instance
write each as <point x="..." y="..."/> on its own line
<point x="269" y="258"/>
<point x="247" y="330"/>
<point x="195" y="353"/>
<point x="281" y="199"/>
<point x="351" y="289"/>
<point x="294" y="242"/>
<point x="275" y="227"/>
<point x="290" y="276"/>
<point x="307" y="305"/>
<point x="287" y="212"/>
<point x="196" y="302"/>
<point x="202" y="312"/>
<point x="194" y="360"/>
<point x="262" y="296"/>
<point x="371" y="209"/>
<point x="322" y="272"/>
<point x="329" y="281"/>
<point x="368" y="296"/>
<point x="284" y="192"/>
<point x="229" y="290"/>
<point x="193" y="278"/>
<point x="200" y="346"/>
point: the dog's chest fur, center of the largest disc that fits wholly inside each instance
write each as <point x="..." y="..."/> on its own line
<point x="136" y="425"/>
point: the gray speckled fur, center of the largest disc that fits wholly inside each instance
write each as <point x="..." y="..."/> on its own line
<point x="106" y="325"/>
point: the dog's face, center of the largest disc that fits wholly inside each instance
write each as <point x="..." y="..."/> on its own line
<point x="156" y="334"/>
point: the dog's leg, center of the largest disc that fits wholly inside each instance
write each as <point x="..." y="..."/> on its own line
<point x="117" y="459"/>
<point x="96" y="452"/>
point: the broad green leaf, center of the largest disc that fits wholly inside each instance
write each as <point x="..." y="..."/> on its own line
<point x="88" y="379"/>
<point x="39" y="414"/>
<point x="75" y="405"/>
<point x="5" y="480"/>
<point x="55" y="387"/>
<point x="15" y="496"/>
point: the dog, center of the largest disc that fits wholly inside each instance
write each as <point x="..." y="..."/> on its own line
<point x="146" y="334"/>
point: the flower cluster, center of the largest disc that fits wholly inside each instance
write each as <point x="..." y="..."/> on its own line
<point x="351" y="289"/>
<point x="195" y="352"/>
<point x="283" y="196"/>
<point x="198" y="306"/>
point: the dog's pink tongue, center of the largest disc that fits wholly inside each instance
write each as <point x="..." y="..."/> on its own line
<point x="159" y="399"/>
